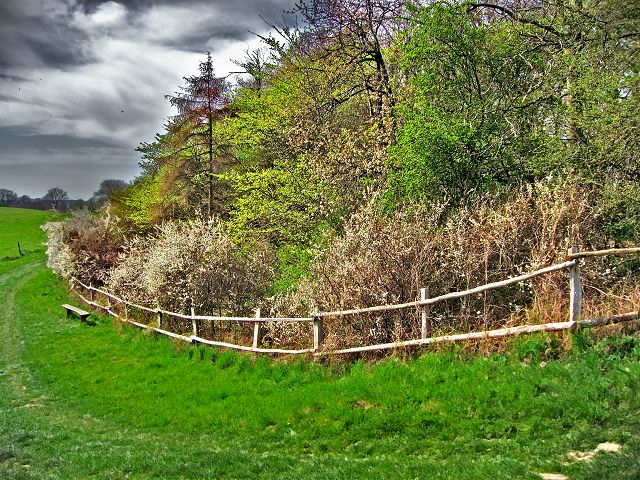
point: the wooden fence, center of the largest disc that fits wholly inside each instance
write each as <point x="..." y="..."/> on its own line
<point x="575" y="320"/>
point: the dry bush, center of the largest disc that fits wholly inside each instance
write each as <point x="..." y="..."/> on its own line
<point x="193" y="264"/>
<point x="95" y="253"/>
<point x="384" y="260"/>
<point x="82" y="247"/>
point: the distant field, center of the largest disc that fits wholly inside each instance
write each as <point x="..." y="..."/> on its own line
<point x="21" y="225"/>
<point x="109" y="402"/>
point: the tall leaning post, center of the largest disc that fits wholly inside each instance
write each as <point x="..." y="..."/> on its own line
<point x="256" y="329"/>
<point x="575" y="285"/>
<point x="318" y="334"/>
<point x="424" y="313"/>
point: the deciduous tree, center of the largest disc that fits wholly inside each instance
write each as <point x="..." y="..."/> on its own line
<point x="55" y="196"/>
<point x="7" y="197"/>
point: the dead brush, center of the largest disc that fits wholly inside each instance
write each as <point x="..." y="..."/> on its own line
<point x="384" y="260"/>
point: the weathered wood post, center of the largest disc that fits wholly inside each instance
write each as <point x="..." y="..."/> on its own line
<point x="256" y="330"/>
<point x="20" y="250"/>
<point x="194" y="322"/>
<point x="318" y="334"/>
<point x="424" y="311"/>
<point x="159" y="317"/>
<point x="575" y="285"/>
<point x="126" y="313"/>
<point x="91" y="294"/>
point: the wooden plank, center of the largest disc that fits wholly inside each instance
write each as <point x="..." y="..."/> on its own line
<point x="238" y="319"/>
<point x="256" y="329"/>
<point x="502" y="332"/>
<point x="575" y="289"/>
<point x="131" y="304"/>
<point x="216" y="343"/>
<point x="424" y="313"/>
<point x="77" y="310"/>
<point x="197" y="317"/>
<point x="318" y="333"/>
<point x="172" y="335"/>
<point x="194" y="322"/>
<point x="602" y="253"/>
<point x="611" y="320"/>
<point x="449" y="296"/>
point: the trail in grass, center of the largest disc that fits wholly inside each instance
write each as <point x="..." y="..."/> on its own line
<point x="38" y="431"/>
<point x="13" y="369"/>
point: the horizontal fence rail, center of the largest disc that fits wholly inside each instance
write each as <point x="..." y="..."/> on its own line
<point x="602" y="253"/>
<point x="452" y="295"/>
<point x="197" y="317"/>
<point x="316" y="318"/>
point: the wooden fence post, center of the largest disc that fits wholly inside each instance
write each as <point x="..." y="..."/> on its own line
<point x="424" y="311"/>
<point x="256" y="330"/>
<point x="126" y="313"/>
<point x="575" y="285"/>
<point x="318" y="334"/>
<point x="194" y="322"/>
<point x="159" y="317"/>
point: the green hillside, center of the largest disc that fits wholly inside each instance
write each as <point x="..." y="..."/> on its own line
<point x="107" y="401"/>
<point x="21" y="225"/>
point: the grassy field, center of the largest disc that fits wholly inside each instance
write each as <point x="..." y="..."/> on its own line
<point x="107" y="401"/>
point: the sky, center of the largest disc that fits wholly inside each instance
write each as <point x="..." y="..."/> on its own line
<point x="83" y="82"/>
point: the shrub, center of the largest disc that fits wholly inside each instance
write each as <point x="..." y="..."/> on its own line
<point x="82" y="247"/>
<point x="95" y="253"/>
<point x="383" y="260"/>
<point x="194" y="263"/>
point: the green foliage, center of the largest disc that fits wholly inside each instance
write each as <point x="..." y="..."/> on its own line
<point x="285" y="204"/>
<point x="466" y="114"/>
<point x="293" y="263"/>
<point x="137" y="205"/>
<point x="620" y="210"/>
<point x="498" y="96"/>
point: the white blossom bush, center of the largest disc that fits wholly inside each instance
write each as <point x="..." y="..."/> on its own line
<point x="60" y="257"/>
<point x="193" y="264"/>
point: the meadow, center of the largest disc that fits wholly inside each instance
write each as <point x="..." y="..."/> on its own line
<point x="109" y="401"/>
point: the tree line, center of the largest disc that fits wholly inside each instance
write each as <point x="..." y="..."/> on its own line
<point x="57" y="199"/>
<point x="376" y="147"/>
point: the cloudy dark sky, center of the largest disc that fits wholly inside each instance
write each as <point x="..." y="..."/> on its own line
<point x="82" y="83"/>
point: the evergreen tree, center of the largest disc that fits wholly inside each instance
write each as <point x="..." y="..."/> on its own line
<point x="201" y="102"/>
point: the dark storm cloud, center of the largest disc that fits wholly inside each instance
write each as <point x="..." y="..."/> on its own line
<point x="31" y="34"/>
<point x="16" y="140"/>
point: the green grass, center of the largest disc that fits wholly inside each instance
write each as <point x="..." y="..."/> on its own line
<point x="105" y="401"/>
<point x="21" y="225"/>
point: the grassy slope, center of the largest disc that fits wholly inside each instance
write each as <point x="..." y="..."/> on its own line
<point x="78" y="401"/>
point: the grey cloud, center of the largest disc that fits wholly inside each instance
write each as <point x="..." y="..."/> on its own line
<point x="32" y="36"/>
<point x="17" y="140"/>
<point x="78" y="97"/>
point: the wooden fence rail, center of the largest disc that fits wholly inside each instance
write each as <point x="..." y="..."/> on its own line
<point x="575" y="312"/>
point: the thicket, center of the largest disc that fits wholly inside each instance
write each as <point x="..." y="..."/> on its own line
<point x="379" y="147"/>
<point x="193" y="264"/>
